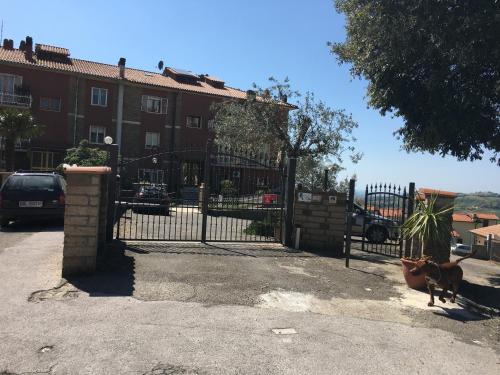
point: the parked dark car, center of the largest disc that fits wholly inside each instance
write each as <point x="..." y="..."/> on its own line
<point x="377" y="228"/>
<point x="151" y="200"/>
<point x="32" y="196"/>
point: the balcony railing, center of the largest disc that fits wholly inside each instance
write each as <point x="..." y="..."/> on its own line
<point x="14" y="100"/>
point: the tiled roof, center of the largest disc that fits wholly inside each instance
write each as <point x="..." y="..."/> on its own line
<point x="440" y="193"/>
<point x="486" y="216"/>
<point x="469" y="217"/>
<point x="464" y="218"/>
<point x="51" y="49"/>
<point x="484" y="231"/>
<point x="106" y="71"/>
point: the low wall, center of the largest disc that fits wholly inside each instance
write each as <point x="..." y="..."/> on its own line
<point x="321" y="218"/>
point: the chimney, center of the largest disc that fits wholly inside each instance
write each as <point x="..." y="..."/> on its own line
<point x="121" y="65"/>
<point x="8" y="44"/>
<point x="28" y="52"/>
<point x="22" y="45"/>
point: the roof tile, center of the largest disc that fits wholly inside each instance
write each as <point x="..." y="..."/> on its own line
<point x="107" y="71"/>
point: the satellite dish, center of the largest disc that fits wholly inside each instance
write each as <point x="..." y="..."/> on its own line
<point x="160" y="65"/>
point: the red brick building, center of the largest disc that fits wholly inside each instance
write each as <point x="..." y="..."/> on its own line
<point x="75" y="99"/>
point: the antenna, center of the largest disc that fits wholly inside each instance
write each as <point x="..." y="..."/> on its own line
<point x="1" y="31"/>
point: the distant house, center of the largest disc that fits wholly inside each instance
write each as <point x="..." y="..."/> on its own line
<point x="464" y="222"/>
<point x="481" y="234"/>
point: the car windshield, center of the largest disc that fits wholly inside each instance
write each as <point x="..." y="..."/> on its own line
<point x="30" y="183"/>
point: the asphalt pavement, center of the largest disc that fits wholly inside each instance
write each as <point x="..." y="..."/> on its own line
<point x="227" y="309"/>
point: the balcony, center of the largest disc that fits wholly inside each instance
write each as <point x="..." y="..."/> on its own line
<point x="15" y="100"/>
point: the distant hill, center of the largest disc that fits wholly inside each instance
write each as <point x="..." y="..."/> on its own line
<point x="478" y="202"/>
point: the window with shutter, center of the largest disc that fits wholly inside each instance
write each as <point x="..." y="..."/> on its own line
<point x="153" y="104"/>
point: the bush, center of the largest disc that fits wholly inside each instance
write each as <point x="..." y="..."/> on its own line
<point x="85" y="156"/>
<point x="263" y="227"/>
<point x="227" y="188"/>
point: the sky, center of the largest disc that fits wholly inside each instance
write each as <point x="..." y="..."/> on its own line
<point x="245" y="42"/>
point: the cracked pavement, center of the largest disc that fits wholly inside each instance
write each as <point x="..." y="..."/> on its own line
<point x="195" y="309"/>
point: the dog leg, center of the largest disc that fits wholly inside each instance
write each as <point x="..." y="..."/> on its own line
<point x="443" y="293"/>
<point x="455" y="291"/>
<point x="431" y="292"/>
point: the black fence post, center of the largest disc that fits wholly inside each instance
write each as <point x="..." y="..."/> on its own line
<point x="206" y="191"/>
<point x="350" y="209"/>
<point x="111" y="213"/>
<point x="290" y="198"/>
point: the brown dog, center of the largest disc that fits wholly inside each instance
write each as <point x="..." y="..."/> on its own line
<point x="445" y="275"/>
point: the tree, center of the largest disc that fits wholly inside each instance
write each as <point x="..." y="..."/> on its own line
<point x="311" y="175"/>
<point x="85" y="156"/>
<point x="434" y="63"/>
<point x="15" y="125"/>
<point x="303" y="128"/>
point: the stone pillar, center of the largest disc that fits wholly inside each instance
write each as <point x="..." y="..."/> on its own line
<point x="321" y="217"/>
<point x="84" y="218"/>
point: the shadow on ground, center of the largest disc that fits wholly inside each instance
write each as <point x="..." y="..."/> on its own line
<point x="483" y="295"/>
<point x="114" y="276"/>
<point x="257" y="250"/>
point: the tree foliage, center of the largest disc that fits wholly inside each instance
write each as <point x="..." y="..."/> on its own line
<point x="311" y="174"/>
<point x="15" y="125"/>
<point x="305" y="127"/>
<point x="85" y="156"/>
<point x="434" y="63"/>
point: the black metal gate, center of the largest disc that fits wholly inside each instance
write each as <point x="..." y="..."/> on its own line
<point x="376" y="223"/>
<point x="200" y="195"/>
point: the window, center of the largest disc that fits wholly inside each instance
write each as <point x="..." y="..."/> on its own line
<point x="42" y="160"/>
<point x="99" y="96"/>
<point x="152" y="139"/>
<point x="154" y="104"/>
<point x="8" y="82"/>
<point x="193" y="122"/>
<point x="50" y="104"/>
<point x="211" y="124"/>
<point x="97" y="134"/>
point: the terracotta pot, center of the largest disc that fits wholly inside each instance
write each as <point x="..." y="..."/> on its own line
<point x="414" y="282"/>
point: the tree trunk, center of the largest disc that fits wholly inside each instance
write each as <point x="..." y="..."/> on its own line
<point x="10" y="154"/>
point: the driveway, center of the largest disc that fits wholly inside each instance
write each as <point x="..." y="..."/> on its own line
<point x="227" y="309"/>
<point x="17" y="232"/>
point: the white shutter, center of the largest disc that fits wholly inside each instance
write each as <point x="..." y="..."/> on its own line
<point x="164" y="105"/>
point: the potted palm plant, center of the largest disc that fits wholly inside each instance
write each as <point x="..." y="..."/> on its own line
<point x="428" y="229"/>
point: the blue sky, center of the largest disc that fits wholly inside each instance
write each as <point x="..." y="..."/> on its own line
<point x="244" y="42"/>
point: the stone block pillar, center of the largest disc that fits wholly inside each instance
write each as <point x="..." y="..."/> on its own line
<point x="321" y="218"/>
<point x="84" y="218"/>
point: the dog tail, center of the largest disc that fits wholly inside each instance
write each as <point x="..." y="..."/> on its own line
<point x="467" y="256"/>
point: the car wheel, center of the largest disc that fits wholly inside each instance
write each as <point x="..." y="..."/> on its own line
<point x="4" y="222"/>
<point x="377" y="234"/>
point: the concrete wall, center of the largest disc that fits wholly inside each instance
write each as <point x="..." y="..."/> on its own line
<point x="321" y="222"/>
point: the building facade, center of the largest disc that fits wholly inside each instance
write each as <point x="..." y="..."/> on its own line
<point x="144" y="112"/>
<point x="464" y="223"/>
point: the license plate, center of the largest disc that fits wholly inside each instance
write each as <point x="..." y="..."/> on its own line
<point x="30" y="204"/>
